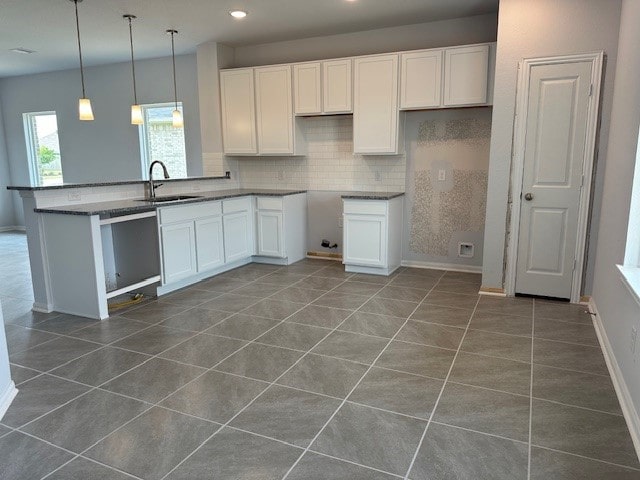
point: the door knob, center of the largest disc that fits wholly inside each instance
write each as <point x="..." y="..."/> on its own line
<point x="528" y="197"/>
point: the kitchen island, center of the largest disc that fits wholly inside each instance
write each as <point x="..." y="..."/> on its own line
<point x="84" y="253"/>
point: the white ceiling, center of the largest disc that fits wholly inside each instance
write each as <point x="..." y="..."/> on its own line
<point x="48" y="26"/>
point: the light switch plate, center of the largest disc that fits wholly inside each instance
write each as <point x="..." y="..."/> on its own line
<point x="442" y="175"/>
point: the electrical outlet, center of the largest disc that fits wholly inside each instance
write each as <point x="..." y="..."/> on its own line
<point x="280" y="174"/>
<point x="633" y="339"/>
<point x="340" y="222"/>
<point x="378" y="176"/>
<point x="74" y="196"/>
<point x="442" y="175"/>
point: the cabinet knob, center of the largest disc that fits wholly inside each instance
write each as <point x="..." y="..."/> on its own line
<point x="528" y="197"/>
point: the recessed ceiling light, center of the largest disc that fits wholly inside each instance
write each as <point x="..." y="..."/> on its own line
<point x="238" y="13"/>
<point x="23" y="50"/>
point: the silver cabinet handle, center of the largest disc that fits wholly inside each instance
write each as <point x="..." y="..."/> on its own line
<point x="528" y="197"/>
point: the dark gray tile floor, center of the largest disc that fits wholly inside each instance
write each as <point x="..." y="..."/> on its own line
<point x="308" y="372"/>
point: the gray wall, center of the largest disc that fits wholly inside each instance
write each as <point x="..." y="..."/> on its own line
<point x="107" y="148"/>
<point x="459" y="31"/>
<point x="533" y="29"/>
<point x="7" y="216"/>
<point x="618" y="310"/>
<point x="440" y="214"/>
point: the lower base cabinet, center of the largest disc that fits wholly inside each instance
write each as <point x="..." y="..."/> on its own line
<point x="237" y="236"/>
<point x="209" y="243"/>
<point x="178" y="251"/>
<point x="372" y="235"/>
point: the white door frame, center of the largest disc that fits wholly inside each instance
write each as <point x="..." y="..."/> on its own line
<point x="517" y="172"/>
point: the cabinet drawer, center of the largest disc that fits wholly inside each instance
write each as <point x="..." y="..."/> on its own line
<point x="236" y="205"/>
<point x="188" y="212"/>
<point x="269" y="203"/>
<point x="365" y="207"/>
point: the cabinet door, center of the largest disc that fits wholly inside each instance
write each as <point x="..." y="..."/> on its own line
<point x="337" y="86"/>
<point x="375" y="109"/>
<point x="307" y="98"/>
<point x="270" y="234"/>
<point x="421" y="79"/>
<point x="365" y="240"/>
<point x="274" y="110"/>
<point x="237" y="236"/>
<point x="209" y="243"/>
<point x="465" y="78"/>
<point x="178" y="251"/>
<point x="238" y="111"/>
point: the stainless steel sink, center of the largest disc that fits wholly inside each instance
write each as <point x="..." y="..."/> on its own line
<point x="169" y="198"/>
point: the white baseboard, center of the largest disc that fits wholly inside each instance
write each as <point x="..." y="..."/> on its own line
<point x="7" y="397"/>
<point x="624" y="397"/>
<point x="42" y="307"/>
<point x="454" y="267"/>
<point x="13" y="228"/>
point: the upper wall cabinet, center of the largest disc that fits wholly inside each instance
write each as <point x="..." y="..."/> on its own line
<point x="322" y="88"/>
<point x="257" y="113"/>
<point x="442" y="78"/>
<point x="421" y="79"/>
<point x="465" y="75"/>
<point x="375" y="109"/>
<point x="238" y="111"/>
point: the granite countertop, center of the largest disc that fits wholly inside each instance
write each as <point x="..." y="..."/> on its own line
<point x="372" y="195"/>
<point x="132" y="205"/>
<point x="110" y="184"/>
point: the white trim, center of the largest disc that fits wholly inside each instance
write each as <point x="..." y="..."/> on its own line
<point x="630" y="276"/>
<point x="7" y="397"/>
<point x="454" y="267"/>
<point x="522" y="104"/>
<point x="624" y="396"/>
<point x="42" y="307"/>
<point x="492" y="294"/>
<point x="14" y="228"/>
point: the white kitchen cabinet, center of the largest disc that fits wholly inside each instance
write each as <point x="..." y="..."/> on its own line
<point x="278" y="132"/>
<point x="421" y="79"/>
<point x="376" y="122"/>
<point x="270" y="234"/>
<point x="209" y="243"/>
<point x="238" y="228"/>
<point x="238" y="112"/>
<point x="281" y="232"/>
<point x="307" y="88"/>
<point x="465" y="75"/>
<point x="337" y="86"/>
<point x="323" y="88"/>
<point x="372" y="235"/>
<point x="178" y="251"/>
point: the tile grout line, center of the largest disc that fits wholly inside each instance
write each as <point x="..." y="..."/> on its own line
<point x="360" y="380"/>
<point x="435" y="406"/>
<point x="533" y="330"/>
<point x="274" y="381"/>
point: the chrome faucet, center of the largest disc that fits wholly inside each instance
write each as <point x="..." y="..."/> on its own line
<point x="152" y="184"/>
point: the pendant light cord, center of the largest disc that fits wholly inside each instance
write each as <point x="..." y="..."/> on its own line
<point x="173" y="58"/>
<point x="133" y="65"/>
<point x="79" y="49"/>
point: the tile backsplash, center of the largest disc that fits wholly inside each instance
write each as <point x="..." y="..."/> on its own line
<point x="329" y="165"/>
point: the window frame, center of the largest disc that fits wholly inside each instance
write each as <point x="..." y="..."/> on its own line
<point x="144" y="138"/>
<point x="630" y="271"/>
<point x="28" y="121"/>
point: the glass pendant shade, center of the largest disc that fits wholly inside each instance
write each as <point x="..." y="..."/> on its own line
<point x="84" y="109"/>
<point x="177" y="119"/>
<point x="136" y="115"/>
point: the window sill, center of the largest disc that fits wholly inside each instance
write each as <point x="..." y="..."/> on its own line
<point x="631" y="278"/>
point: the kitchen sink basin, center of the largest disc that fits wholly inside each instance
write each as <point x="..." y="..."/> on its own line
<point x="169" y="198"/>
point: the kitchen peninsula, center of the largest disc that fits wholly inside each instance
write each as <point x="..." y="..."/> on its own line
<point x="92" y="242"/>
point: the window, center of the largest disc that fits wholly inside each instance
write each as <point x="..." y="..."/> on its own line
<point x="43" y="149"/>
<point x="631" y="269"/>
<point x="160" y="140"/>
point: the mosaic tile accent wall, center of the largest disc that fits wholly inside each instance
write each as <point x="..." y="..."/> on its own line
<point x="447" y="174"/>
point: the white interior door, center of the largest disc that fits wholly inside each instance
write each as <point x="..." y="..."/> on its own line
<point x="557" y="121"/>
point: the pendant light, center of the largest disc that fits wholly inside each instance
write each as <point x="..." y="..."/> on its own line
<point x="177" y="115"/>
<point x="84" y="104"/>
<point x="136" y="109"/>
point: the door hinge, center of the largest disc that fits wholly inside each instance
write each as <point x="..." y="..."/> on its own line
<point x="591" y="89"/>
<point x="582" y="181"/>
<point x="575" y="263"/>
